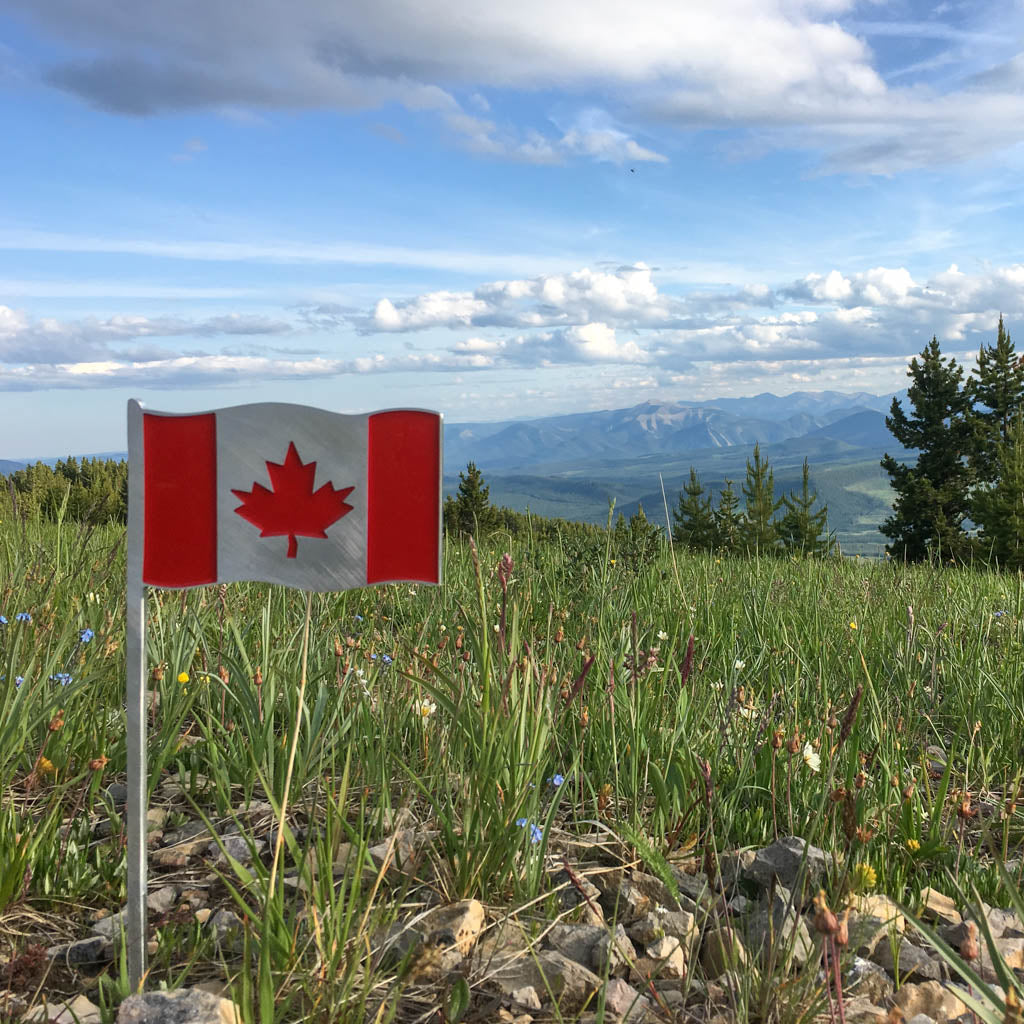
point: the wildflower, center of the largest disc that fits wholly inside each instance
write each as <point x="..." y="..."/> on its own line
<point x="853" y="625"/>
<point x="23" y="617"/>
<point x="1000" y="614"/>
<point x="92" y="598"/>
<point x="746" y="712"/>
<point x="85" y="635"/>
<point x="613" y="561"/>
<point x="521" y="822"/>
<point x="64" y="678"/>
<point x="426" y="708"/>
<point x="183" y="677"/>
<point x="812" y="758"/>
<point x="662" y="635"/>
<point x="913" y="845"/>
<point x="359" y="618"/>
<point x="864" y="876"/>
<point x="740" y="665"/>
<point x="3" y="620"/>
<point x="44" y="766"/>
<point x="556" y="779"/>
<point x="386" y="659"/>
<point x="18" y="680"/>
<point x="536" y="833"/>
<point x="412" y="592"/>
<point x="97" y="764"/>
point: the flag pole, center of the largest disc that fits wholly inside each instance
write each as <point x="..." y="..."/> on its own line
<point x="135" y="705"/>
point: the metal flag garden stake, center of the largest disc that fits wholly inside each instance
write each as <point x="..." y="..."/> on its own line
<point x="271" y="492"/>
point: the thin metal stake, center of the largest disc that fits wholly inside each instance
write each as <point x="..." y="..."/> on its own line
<point x="135" y="706"/>
<point x="135" y="696"/>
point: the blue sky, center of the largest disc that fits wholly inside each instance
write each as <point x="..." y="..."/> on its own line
<point x="494" y="210"/>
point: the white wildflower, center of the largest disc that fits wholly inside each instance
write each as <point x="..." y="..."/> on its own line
<point x="812" y="758"/>
<point x="662" y="635"/>
<point x="740" y="665"/>
<point x="425" y="708"/>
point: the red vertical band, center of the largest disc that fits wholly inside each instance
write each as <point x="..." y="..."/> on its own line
<point x="403" y="470"/>
<point x="180" y="546"/>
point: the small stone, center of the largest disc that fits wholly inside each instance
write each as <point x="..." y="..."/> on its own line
<point x="79" y="1010"/>
<point x="623" y="1002"/>
<point x="112" y="926"/>
<point x="572" y="985"/>
<point x="921" y="1018"/>
<point x="778" y="932"/>
<point x="868" y="980"/>
<point x="93" y="950"/>
<point x="576" y="941"/>
<point x="795" y="863"/>
<point x="647" y="929"/>
<point x="859" y="1010"/>
<point x="613" y="953"/>
<point x="156" y="818"/>
<point x="873" y="918"/>
<point x="116" y="793"/>
<point x="236" y="847"/>
<point x="723" y="950"/>
<point x="937" y="908"/>
<point x="526" y="997"/>
<point x="183" y="1006"/>
<point x="1005" y="922"/>
<point x="1010" y="949"/>
<point x="161" y="901"/>
<point x="455" y="929"/>
<point x="910" y="962"/>
<point x="668" y="956"/>
<point x="928" y="997"/>
<point x="228" y="929"/>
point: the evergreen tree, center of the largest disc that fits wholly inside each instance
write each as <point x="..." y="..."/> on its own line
<point x="693" y="519"/>
<point x="636" y="542"/>
<point x="801" y="528"/>
<point x="472" y="512"/>
<point x="760" y="531"/>
<point x="932" y="496"/>
<point x="999" y="507"/>
<point x="998" y="388"/>
<point x="728" y="520"/>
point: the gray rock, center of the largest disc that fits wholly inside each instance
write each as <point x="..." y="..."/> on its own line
<point x="868" y="980"/>
<point x="929" y="998"/>
<point x="575" y="940"/>
<point x="794" y="863"/>
<point x="623" y="1002"/>
<point x="572" y="984"/>
<point x="116" y="793"/>
<point x="94" y="950"/>
<point x="778" y="932"/>
<point x="228" y="929"/>
<point x="612" y="953"/>
<point x="112" y="926"/>
<point x="235" y="846"/>
<point x="161" y="901"/>
<point x="185" y="1006"/>
<point x="910" y="962"/>
<point x="527" y="996"/>
<point x="1005" y="923"/>
<point x="921" y="1018"/>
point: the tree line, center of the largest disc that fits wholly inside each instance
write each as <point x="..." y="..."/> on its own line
<point x="91" y="491"/>
<point x="963" y="498"/>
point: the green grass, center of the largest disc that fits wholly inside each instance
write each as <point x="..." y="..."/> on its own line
<point x="781" y="649"/>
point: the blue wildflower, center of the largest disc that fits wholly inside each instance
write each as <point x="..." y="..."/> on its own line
<point x="18" y="680"/>
<point x="23" y="617"/>
<point x="85" y="635"/>
<point x="61" y="677"/>
<point x="3" y="620"/>
<point x="521" y="822"/>
<point x="536" y="833"/>
<point x="556" y="779"/>
<point x="359" y="618"/>
<point x="999" y="615"/>
<point x="386" y="658"/>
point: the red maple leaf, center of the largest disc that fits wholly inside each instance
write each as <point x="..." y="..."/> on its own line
<point x="292" y="509"/>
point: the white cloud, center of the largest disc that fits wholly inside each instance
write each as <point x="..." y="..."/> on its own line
<point x="786" y="65"/>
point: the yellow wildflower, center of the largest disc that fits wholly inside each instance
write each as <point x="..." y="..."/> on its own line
<point x="853" y="625"/>
<point x="183" y="677"/>
<point x="913" y="845"/>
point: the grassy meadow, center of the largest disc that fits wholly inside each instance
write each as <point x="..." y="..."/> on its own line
<point x="527" y="710"/>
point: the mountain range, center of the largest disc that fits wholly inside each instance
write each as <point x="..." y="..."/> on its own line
<point x="573" y="465"/>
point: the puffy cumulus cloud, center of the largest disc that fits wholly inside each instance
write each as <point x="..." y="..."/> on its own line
<point x="787" y="65"/>
<point x="628" y="293"/>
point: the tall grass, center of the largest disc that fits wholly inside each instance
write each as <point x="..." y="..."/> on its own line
<point x="528" y="702"/>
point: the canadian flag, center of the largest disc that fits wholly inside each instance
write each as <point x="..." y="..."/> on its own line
<point x="286" y="494"/>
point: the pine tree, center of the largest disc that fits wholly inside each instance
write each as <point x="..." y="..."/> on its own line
<point x="760" y="531"/>
<point x="932" y="497"/>
<point x="728" y="520"/>
<point x="472" y="512"/>
<point x="801" y="528"/>
<point x="998" y="388"/>
<point x="693" y="518"/>
<point x="999" y="508"/>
